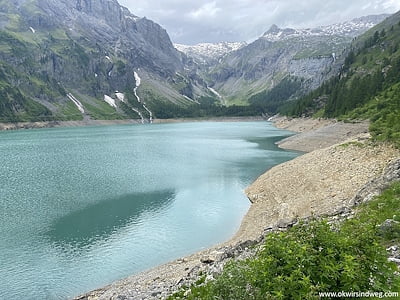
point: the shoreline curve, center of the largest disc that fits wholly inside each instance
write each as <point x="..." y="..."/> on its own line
<point x="339" y="162"/>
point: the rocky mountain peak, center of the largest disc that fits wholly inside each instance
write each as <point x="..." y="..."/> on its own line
<point x="109" y="10"/>
<point x="203" y="52"/>
<point x="90" y="6"/>
<point x="114" y="26"/>
<point x="273" y="29"/>
<point x="351" y="28"/>
<point x="83" y="51"/>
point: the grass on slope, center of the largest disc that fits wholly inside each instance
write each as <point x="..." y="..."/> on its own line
<point x="315" y="257"/>
<point x="384" y="113"/>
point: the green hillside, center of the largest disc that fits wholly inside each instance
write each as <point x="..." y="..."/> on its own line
<point x="32" y="69"/>
<point x="368" y="86"/>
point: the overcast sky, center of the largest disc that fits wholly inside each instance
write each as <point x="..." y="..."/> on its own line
<point x="194" y="21"/>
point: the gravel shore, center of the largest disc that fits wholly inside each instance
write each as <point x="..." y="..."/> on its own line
<point x="317" y="133"/>
<point x="90" y="122"/>
<point x="322" y="182"/>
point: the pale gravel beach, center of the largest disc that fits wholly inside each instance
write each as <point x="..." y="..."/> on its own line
<point x="316" y="134"/>
<point x="340" y="162"/>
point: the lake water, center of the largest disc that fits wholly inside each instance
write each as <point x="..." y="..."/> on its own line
<point x="82" y="207"/>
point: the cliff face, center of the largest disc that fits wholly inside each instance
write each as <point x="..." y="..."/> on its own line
<point x="110" y="25"/>
<point x="312" y="54"/>
<point x="262" y="64"/>
<point x="90" y="49"/>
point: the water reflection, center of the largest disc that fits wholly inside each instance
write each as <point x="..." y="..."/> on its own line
<point x="98" y="222"/>
<point x="268" y="143"/>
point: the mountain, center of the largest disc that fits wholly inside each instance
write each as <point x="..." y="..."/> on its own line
<point x="209" y="53"/>
<point x="367" y="86"/>
<point x="86" y="59"/>
<point x="309" y="55"/>
<point x="351" y="29"/>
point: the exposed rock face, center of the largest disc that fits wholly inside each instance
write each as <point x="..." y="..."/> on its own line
<point x="378" y="185"/>
<point x="90" y="49"/>
<point x="312" y="54"/>
<point x="113" y="27"/>
<point x="313" y="69"/>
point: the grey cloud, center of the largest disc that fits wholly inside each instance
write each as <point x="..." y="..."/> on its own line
<point x="191" y="22"/>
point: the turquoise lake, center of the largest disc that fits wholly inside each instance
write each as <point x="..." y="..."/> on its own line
<point x="83" y="207"/>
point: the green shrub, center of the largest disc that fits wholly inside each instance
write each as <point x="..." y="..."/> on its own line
<point x="312" y="258"/>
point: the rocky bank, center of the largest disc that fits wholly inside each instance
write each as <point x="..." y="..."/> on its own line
<point x="91" y="122"/>
<point x="325" y="182"/>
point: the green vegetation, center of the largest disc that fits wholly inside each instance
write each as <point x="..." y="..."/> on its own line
<point x="315" y="257"/>
<point x="322" y="47"/>
<point x="14" y="105"/>
<point x="68" y="109"/>
<point x="269" y="101"/>
<point x="101" y="111"/>
<point x="207" y="107"/>
<point x="366" y="88"/>
<point x="384" y="113"/>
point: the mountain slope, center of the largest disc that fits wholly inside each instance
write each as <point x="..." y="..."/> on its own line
<point x="309" y="54"/>
<point x="90" y="50"/>
<point x="368" y="85"/>
<point x="209" y="53"/>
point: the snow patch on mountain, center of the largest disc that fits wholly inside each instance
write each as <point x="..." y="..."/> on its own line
<point x="351" y="28"/>
<point x="133" y="18"/>
<point x="120" y="96"/>
<point x="110" y="101"/>
<point x="76" y="102"/>
<point x="137" y="83"/>
<point x="215" y="92"/>
<point x="209" y="50"/>
<point x="137" y="79"/>
<point x="190" y="99"/>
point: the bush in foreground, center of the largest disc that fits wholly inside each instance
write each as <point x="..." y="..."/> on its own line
<point x="312" y="258"/>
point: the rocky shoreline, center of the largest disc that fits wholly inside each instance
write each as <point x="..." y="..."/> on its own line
<point x="90" y="122"/>
<point x="343" y="170"/>
<point x="54" y="124"/>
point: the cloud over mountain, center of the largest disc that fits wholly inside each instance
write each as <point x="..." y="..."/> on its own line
<point x="191" y="22"/>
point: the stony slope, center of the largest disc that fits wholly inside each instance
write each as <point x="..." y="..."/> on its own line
<point x="322" y="182"/>
<point x="88" y="49"/>
<point x="318" y="134"/>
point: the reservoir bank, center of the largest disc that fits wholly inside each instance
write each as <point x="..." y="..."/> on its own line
<point x="85" y="206"/>
<point x="339" y="166"/>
